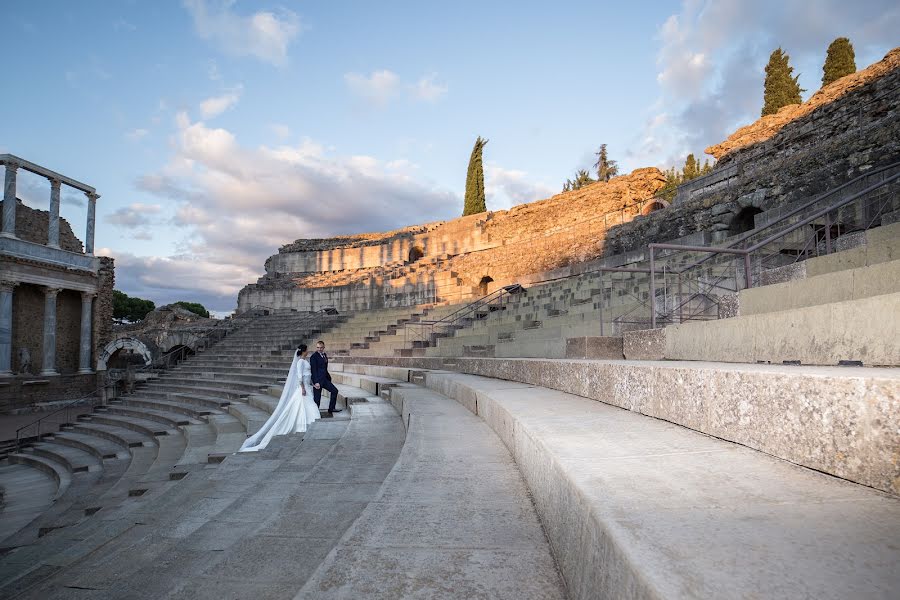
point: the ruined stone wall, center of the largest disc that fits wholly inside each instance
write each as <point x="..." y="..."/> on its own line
<point x="566" y="228"/>
<point x="818" y="151"/>
<point x="32" y="226"/>
<point x="68" y="331"/>
<point x="847" y="130"/>
<point x="27" y="329"/>
<point x="103" y="306"/>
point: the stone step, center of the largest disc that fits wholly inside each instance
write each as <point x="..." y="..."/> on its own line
<point x="120" y="435"/>
<point x="815" y="335"/>
<point x="200" y="401"/>
<point x="56" y="470"/>
<point x="183" y="408"/>
<point x="168" y="419"/>
<point x="251" y="417"/>
<point x="73" y="459"/>
<point x="27" y="493"/>
<point x="145" y="426"/>
<point x="102" y="448"/>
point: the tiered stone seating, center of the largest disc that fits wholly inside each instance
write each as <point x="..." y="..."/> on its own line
<point x="838" y="307"/>
<point x="196" y="410"/>
<point x="622" y="494"/>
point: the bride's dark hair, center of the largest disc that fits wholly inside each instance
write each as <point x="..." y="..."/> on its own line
<point x="301" y="349"/>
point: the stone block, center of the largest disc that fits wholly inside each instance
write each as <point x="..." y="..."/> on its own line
<point x="644" y="344"/>
<point x="597" y="347"/>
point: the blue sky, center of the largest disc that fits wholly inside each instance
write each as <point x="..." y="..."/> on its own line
<point x="217" y="131"/>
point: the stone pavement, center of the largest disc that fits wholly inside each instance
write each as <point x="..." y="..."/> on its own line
<point x="452" y="520"/>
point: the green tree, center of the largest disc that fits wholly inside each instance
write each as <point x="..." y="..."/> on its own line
<point x="781" y="89"/>
<point x="839" y="61"/>
<point x="606" y="169"/>
<point x="475" y="201"/>
<point x="194" y="307"/>
<point x="691" y="168"/>
<point x="130" y="309"/>
<point x="582" y="178"/>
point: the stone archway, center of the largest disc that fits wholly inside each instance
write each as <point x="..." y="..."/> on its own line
<point x="131" y="344"/>
<point x="657" y="204"/>
<point x="415" y="253"/>
<point x="743" y="221"/>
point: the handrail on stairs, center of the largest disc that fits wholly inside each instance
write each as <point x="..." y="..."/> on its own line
<point x="776" y="236"/>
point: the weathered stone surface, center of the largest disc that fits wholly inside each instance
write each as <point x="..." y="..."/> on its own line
<point x="624" y="499"/>
<point x="789" y="412"/>
<point x="594" y="347"/>
<point x="769" y="125"/>
<point x="644" y="344"/>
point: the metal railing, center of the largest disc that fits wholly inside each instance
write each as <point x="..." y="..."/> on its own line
<point x="426" y="332"/>
<point x="687" y="282"/>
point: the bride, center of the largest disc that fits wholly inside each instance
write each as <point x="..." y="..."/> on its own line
<point x="295" y="410"/>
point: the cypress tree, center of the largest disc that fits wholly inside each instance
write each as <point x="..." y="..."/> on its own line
<point x="780" y="88"/>
<point x="474" y="201"/>
<point x="839" y="61"/>
<point x="691" y="168"/>
<point x="606" y="169"/>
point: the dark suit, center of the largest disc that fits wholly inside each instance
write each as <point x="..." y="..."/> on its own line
<point x="318" y="364"/>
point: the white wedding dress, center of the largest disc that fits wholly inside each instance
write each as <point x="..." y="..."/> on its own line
<point x="295" y="411"/>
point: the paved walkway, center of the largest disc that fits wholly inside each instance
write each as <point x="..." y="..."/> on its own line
<point x="452" y="520"/>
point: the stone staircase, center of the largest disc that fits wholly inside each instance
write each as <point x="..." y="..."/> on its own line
<point x="193" y="414"/>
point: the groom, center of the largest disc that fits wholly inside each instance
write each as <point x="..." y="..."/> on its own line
<point x="321" y="378"/>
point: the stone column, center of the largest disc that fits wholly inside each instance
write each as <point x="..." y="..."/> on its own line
<point x="53" y="227"/>
<point x="89" y="234"/>
<point x="6" y="302"/>
<point x="9" y="201"/>
<point x="50" y="331"/>
<point x="84" y="353"/>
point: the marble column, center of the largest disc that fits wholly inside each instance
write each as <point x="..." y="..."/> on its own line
<point x="6" y="302"/>
<point x="84" y="352"/>
<point x="49" y="367"/>
<point x="9" y="201"/>
<point x="89" y="234"/>
<point x="53" y="227"/>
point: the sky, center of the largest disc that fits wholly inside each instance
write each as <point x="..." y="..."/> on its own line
<point x="218" y="130"/>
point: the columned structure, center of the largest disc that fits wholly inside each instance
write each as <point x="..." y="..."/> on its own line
<point x="6" y="301"/>
<point x="47" y="291"/>
<point x="50" y="331"/>
<point x="53" y="226"/>
<point x="89" y="233"/>
<point x="84" y="351"/>
<point x="9" y="199"/>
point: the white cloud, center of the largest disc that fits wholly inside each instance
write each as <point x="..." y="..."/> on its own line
<point x="237" y="205"/>
<point x="133" y="216"/>
<point x="378" y="88"/>
<point x="505" y="188"/>
<point x="281" y="130"/>
<point x="135" y="135"/>
<point x="712" y="58"/>
<point x="428" y="89"/>
<point x="263" y="35"/>
<point x="212" y="107"/>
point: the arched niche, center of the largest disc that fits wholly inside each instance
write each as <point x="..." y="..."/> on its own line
<point x="127" y="344"/>
<point x="483" y="284"/>
<point x="743" y="220"/>
<point x="415" y="253"/>
<point x="655" y="205"/>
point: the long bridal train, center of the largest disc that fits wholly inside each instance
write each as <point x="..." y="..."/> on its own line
<point x="295" y="409"/>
